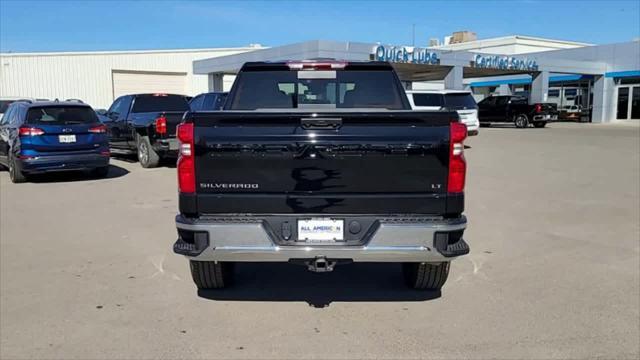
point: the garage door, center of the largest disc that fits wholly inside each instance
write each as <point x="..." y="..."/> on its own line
<point x="148" y="82"/>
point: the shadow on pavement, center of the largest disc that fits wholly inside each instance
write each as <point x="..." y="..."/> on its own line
<point x="511" y="126"/>
<point x="129" y="158"/>
<point x="71" y="176"/>
<point x="347" y="283"/>
<point x="169" y="162"/>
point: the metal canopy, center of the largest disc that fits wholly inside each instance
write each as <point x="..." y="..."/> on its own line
<point x="300" y="51"/>
<point x="357" y="51"/>
<point x="420" y="72"/>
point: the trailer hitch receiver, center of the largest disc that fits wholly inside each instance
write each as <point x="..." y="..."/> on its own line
<point x="321" y="264"/>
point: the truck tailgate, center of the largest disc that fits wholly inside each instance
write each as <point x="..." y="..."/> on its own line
<point x="269" y="162"/>
<point x="173" y="119"/>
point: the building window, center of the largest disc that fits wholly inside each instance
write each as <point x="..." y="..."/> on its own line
<point x="635" y="103"/>
<point x="623" y="103"/>
<point x="554" y="92"/>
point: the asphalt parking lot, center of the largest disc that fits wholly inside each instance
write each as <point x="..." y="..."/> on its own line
<point x="87" y="269"/>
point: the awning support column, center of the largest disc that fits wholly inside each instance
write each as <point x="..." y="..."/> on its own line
<point x="505" y="89"/>
<point x="603" y="90"/>
<point x="453" y="80"/>
<point x="215" y="82"/>
<point x="539" y="87"/>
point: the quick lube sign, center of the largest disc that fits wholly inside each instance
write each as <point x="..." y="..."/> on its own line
<point x="405" y="54"/>
<point x="504" y="63"/>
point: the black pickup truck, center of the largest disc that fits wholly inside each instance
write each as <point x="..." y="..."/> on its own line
<point x="320" y="163"/>
<point x="517" y="110"/>
<point x="145" y="124"/>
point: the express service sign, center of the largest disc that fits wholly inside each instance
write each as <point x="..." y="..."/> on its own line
<point x="504" y="63"/>
<point x="405" y="54"/>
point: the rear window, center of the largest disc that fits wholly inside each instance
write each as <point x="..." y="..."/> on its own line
<point x="4" y="104"/>
<point x="61" y="115"/>
<point x="157" y="103"/>
<point x="286" y="89"/>
<point x="459" y="101"/>
<point x="428" y="100"/>
<point x="517" y="100"/>
<point x="214" y="101"/>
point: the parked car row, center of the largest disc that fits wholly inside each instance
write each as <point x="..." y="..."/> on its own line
<point x="290" y="162"/>
<point x="40" y="136"/>
<point x="493" y="109"/>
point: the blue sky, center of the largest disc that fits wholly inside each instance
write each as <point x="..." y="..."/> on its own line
<point x="113" y="25"/>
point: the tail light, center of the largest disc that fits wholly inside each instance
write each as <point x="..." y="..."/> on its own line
<point x="538" y="108"/>
<point x="186" y="162"/>
<point x="100" y="129"/>
<point x="457" y="163"/>
<point x="30" y="131"/>
<point x="161" y="125"/>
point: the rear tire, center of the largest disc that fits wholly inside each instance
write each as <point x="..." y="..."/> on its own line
<point x="540" y="124"/>
<point x="521" y="121"/>
<point x="211" y="274"/>
<point x="15" y="174"/>
<point x="425" y="276"/>
<point x="147" y="157"/>
<point x="100" y="172"/>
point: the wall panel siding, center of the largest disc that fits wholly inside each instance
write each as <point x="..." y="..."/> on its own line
<point x="88" y="76"/>
<point x="128" y="82"/>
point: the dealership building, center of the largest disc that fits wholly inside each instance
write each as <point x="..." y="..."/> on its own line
<point x="604" y="80"/>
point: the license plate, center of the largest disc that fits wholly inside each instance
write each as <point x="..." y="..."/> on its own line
<point x="320" y="230"/>
<point x="66" y="138"/>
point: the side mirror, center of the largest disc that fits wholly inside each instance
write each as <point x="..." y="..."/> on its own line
<point x="102" y="112"/>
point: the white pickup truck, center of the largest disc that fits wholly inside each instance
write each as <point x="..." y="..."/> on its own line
<point x="455" y="100"/>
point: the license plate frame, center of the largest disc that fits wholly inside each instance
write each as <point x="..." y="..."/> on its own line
<point x="66" y="139"/>
<point x="320" y="230"/>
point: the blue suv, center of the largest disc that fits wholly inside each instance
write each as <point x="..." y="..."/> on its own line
<point x="38" y="137"/>
<point x="208" y="101"/>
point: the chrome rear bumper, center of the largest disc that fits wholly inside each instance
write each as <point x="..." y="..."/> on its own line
<point x="248" y="240"/>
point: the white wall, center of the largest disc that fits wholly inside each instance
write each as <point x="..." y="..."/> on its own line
<point x="227" y="81"/>
<point x="512" y="45"/>
<point x="88" y="76"/>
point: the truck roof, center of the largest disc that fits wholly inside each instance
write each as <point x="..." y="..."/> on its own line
<point x="30" y="104"/>
<point x="314" y="63"/>
<point x="156" y="94"/>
